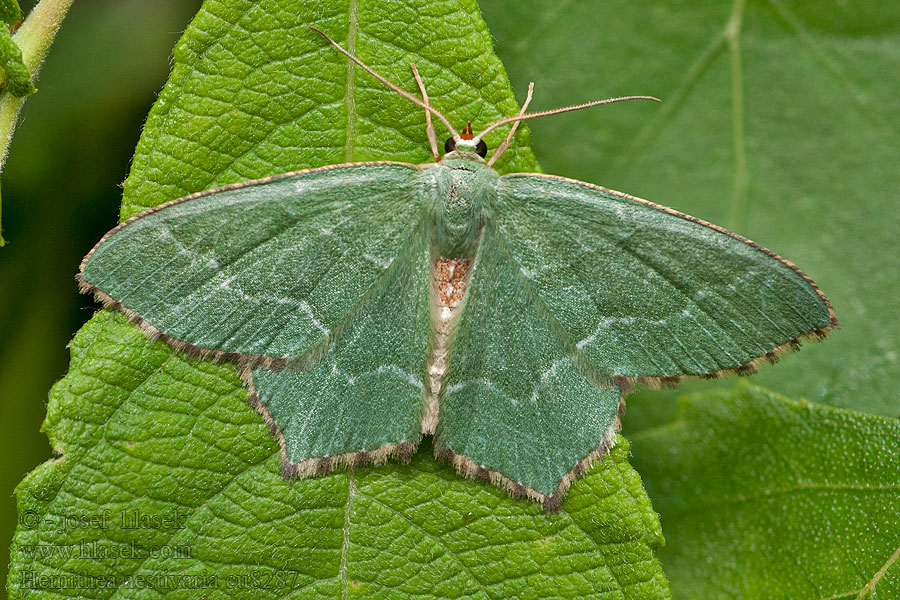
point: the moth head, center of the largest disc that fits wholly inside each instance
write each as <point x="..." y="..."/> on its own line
<point x="466" y="144"/>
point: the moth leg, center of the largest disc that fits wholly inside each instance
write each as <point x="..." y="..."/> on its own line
<point x="429" y="126"/>
<point x="502" y="147"/>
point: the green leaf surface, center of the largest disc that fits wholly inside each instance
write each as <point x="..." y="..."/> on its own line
<point x="149" y="434"/>
<point x="17" y="79"/>
<point x="171" y="442"/>
<point x="10" y="13"/>
<point x="762" y="497"/>
<point x="778" y="120"/>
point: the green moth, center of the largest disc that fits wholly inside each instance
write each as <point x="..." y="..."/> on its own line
<point x="370" y="304"/>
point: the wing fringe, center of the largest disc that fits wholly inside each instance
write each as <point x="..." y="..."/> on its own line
<point x="322" y="465"/>
<point x="657" y="382"/>
<point x="552" y="503"/>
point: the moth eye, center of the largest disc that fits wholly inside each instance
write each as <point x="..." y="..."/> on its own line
<point x="481" y="149"/>
<point x="449" y="145"/>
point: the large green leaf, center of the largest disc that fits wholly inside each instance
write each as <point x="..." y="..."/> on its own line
<point x="778" y="120"/>
<point x="765" y="498"/>
<point x="149" y="434"/>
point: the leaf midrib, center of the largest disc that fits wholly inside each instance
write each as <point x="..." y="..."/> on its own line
<point x="345" y="543"/>
<point x="350" y="91"/>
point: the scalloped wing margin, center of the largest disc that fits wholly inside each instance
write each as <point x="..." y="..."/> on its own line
<point x="652" y="294"/>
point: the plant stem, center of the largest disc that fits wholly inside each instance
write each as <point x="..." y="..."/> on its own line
<point x="34" y="38"/>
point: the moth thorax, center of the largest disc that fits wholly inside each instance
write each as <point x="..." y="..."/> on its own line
<point x="462" y="208"/>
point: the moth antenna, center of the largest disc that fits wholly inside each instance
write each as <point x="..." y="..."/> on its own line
<point x="502" y="147"/>
<point x="429" y="126"/>
<point x="556" y="111"/>
<point x="391" y="85"/>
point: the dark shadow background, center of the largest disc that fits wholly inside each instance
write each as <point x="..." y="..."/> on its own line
<point x="61" y="192"/>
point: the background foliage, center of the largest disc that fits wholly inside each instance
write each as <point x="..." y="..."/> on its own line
<point x="61" y="193"/>
<point x="776" y="123"/>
